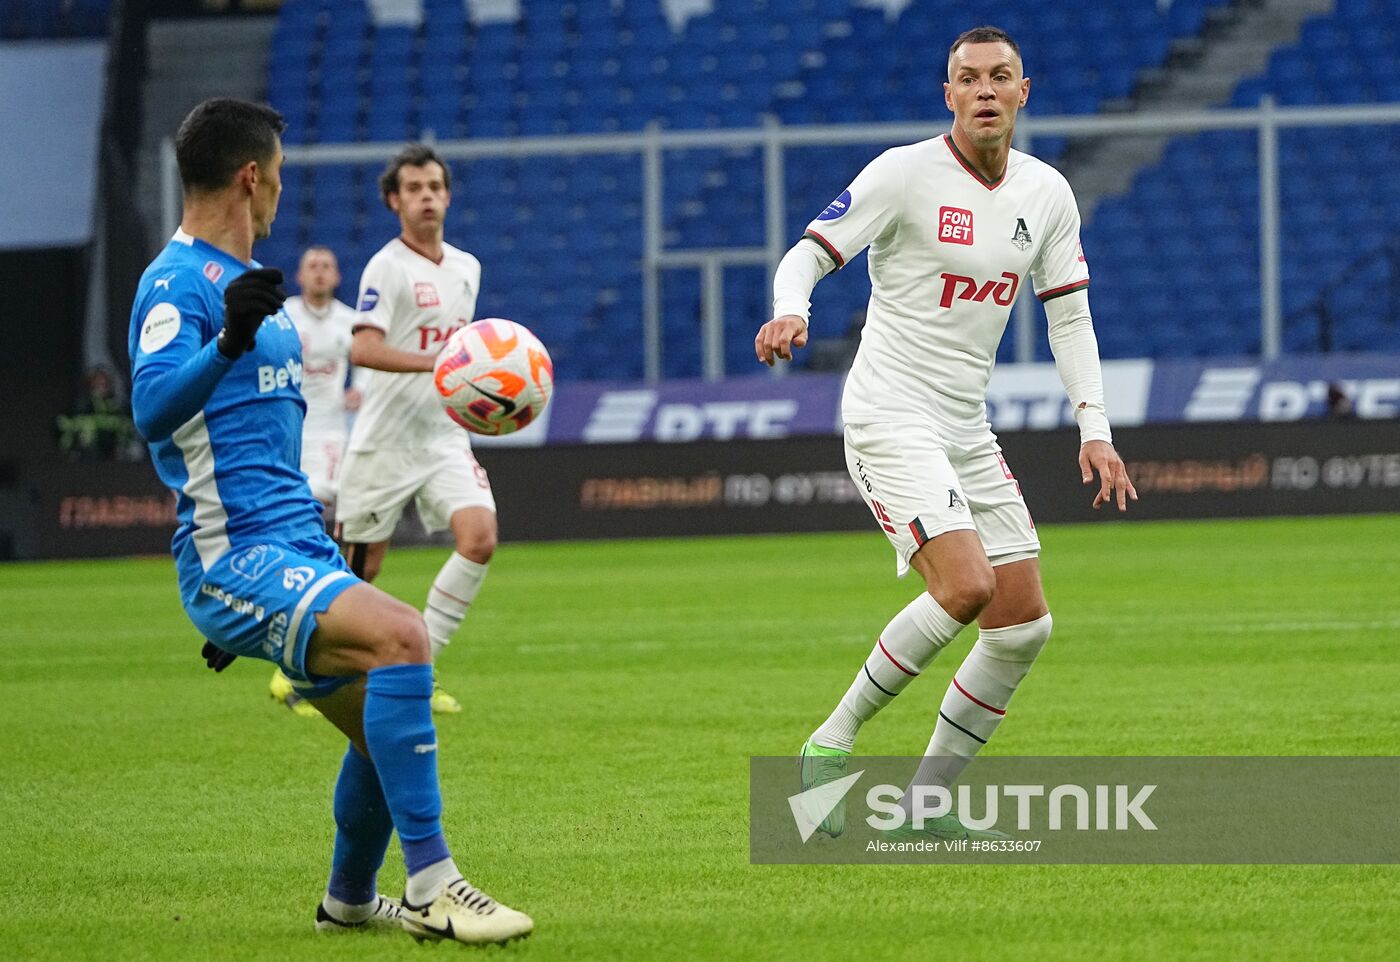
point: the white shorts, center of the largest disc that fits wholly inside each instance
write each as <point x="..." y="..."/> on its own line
<point x="375" y="487"/>
<point x="321" y="459"/>
<point x="919" y="486"/>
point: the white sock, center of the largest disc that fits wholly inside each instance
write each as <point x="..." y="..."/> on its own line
<point x="428" y="883"/>
<point x="977" y="698"/>
<point x="909" y="643"/>
<point x="347" y="913"/>
<point x="452" y="593"/>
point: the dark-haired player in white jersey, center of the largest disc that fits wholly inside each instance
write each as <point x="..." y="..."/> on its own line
<point x="325" y="325"/>
<point x="414" y="293"/>
<point x="955" y="226"/>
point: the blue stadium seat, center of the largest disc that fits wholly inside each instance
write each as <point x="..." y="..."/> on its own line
<point x="338" y="121"/>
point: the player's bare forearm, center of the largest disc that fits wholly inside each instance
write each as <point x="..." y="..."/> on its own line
<point x="778" y="337"/>
<point x="1114" y="484"/>
<point x="369" y="350"/>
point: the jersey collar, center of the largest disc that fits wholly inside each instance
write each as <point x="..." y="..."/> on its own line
<point x="189" y="240"/>
<point x="318" y="313"/>
<point x="967" y="165"/>
<point x="415" y="249"/>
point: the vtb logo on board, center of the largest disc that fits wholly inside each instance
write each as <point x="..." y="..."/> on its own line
<point x="957" y="287"/>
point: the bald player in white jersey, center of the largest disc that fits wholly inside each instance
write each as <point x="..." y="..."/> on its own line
<point x="325" y="325"/>
<point x="955" y="226"/>
<point x="414" y="293"/>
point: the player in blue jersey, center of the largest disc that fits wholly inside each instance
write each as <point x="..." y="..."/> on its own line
<point x="216" y="369"/>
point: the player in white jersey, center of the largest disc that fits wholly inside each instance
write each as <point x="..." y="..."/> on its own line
<point x="325" y="326"/>
<point x="414" y="293"/>
<point x="955" y="225"/>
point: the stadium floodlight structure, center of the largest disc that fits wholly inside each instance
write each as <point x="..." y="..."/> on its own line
<point x="774" y="139"/>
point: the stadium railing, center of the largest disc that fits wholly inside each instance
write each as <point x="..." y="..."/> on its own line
<point x="775" y="140"/>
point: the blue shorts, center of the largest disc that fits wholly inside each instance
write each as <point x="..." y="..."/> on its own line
<point x="262" y="602"/>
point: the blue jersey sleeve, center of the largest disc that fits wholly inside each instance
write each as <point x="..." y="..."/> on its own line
<point x="175" y="360"/>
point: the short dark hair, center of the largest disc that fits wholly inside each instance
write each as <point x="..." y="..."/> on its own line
<point x="414" y="155"/>
<point x="221" y="135"/>
<point x="985" y="34"/>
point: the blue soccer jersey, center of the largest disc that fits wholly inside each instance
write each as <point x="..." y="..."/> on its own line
<point x="225" y="435"/>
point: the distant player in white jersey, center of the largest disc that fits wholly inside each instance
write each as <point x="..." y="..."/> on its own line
<point x="414" y="293"/>
<point x="325" y="326"/>
<point x="955" y="225"/>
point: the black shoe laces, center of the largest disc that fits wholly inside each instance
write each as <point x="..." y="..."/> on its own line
<point x="468" y="895"/>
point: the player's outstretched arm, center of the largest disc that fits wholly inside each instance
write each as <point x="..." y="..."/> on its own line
<point x="778" y="337"/>
<point x="369" y="349"/>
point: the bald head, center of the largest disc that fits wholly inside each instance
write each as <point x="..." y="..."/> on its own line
<point x="980" y="35"/>
<point x="318" y="274"/>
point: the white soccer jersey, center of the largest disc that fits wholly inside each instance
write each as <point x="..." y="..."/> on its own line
<point x="325" y="358"/>
<point x="948" y="255"/>
<point x="417" y="304"/>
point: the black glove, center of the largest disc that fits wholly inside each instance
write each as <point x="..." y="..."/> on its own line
<point x="215" y="657"/>
<point x="248" y="299"/>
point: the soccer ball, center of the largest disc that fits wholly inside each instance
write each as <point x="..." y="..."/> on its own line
<point x="494" y="376"/>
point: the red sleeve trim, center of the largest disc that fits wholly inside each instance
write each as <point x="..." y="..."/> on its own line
<point x="827" y="246"/>
<point x="1062" y="291"/>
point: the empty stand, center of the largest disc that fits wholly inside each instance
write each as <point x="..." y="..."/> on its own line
<point x="1174" y="261"/>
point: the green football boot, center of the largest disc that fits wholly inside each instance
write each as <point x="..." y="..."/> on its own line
<point x="820" y="765"/>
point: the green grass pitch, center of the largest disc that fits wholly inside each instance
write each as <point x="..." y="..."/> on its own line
<point x="155" y="811"/>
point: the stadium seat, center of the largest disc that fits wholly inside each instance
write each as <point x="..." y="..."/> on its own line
<point x="596" y="67"/>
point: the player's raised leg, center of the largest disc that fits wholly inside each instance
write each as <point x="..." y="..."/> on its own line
<point x="389" y="721"/>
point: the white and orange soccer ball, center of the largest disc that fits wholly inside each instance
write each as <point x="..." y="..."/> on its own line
<point x="494" y="376"/>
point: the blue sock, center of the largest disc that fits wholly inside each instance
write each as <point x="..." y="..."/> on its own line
<point x="362" y="830"/>
<point x="403" y="743"/>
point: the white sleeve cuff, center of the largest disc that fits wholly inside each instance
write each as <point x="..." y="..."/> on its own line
<point x="1076" y="353"/>
<point x="1093" y="424"/>
<point x="797" y="275"/>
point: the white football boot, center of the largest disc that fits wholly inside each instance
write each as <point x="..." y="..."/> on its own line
<point x="464" y="913"/>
